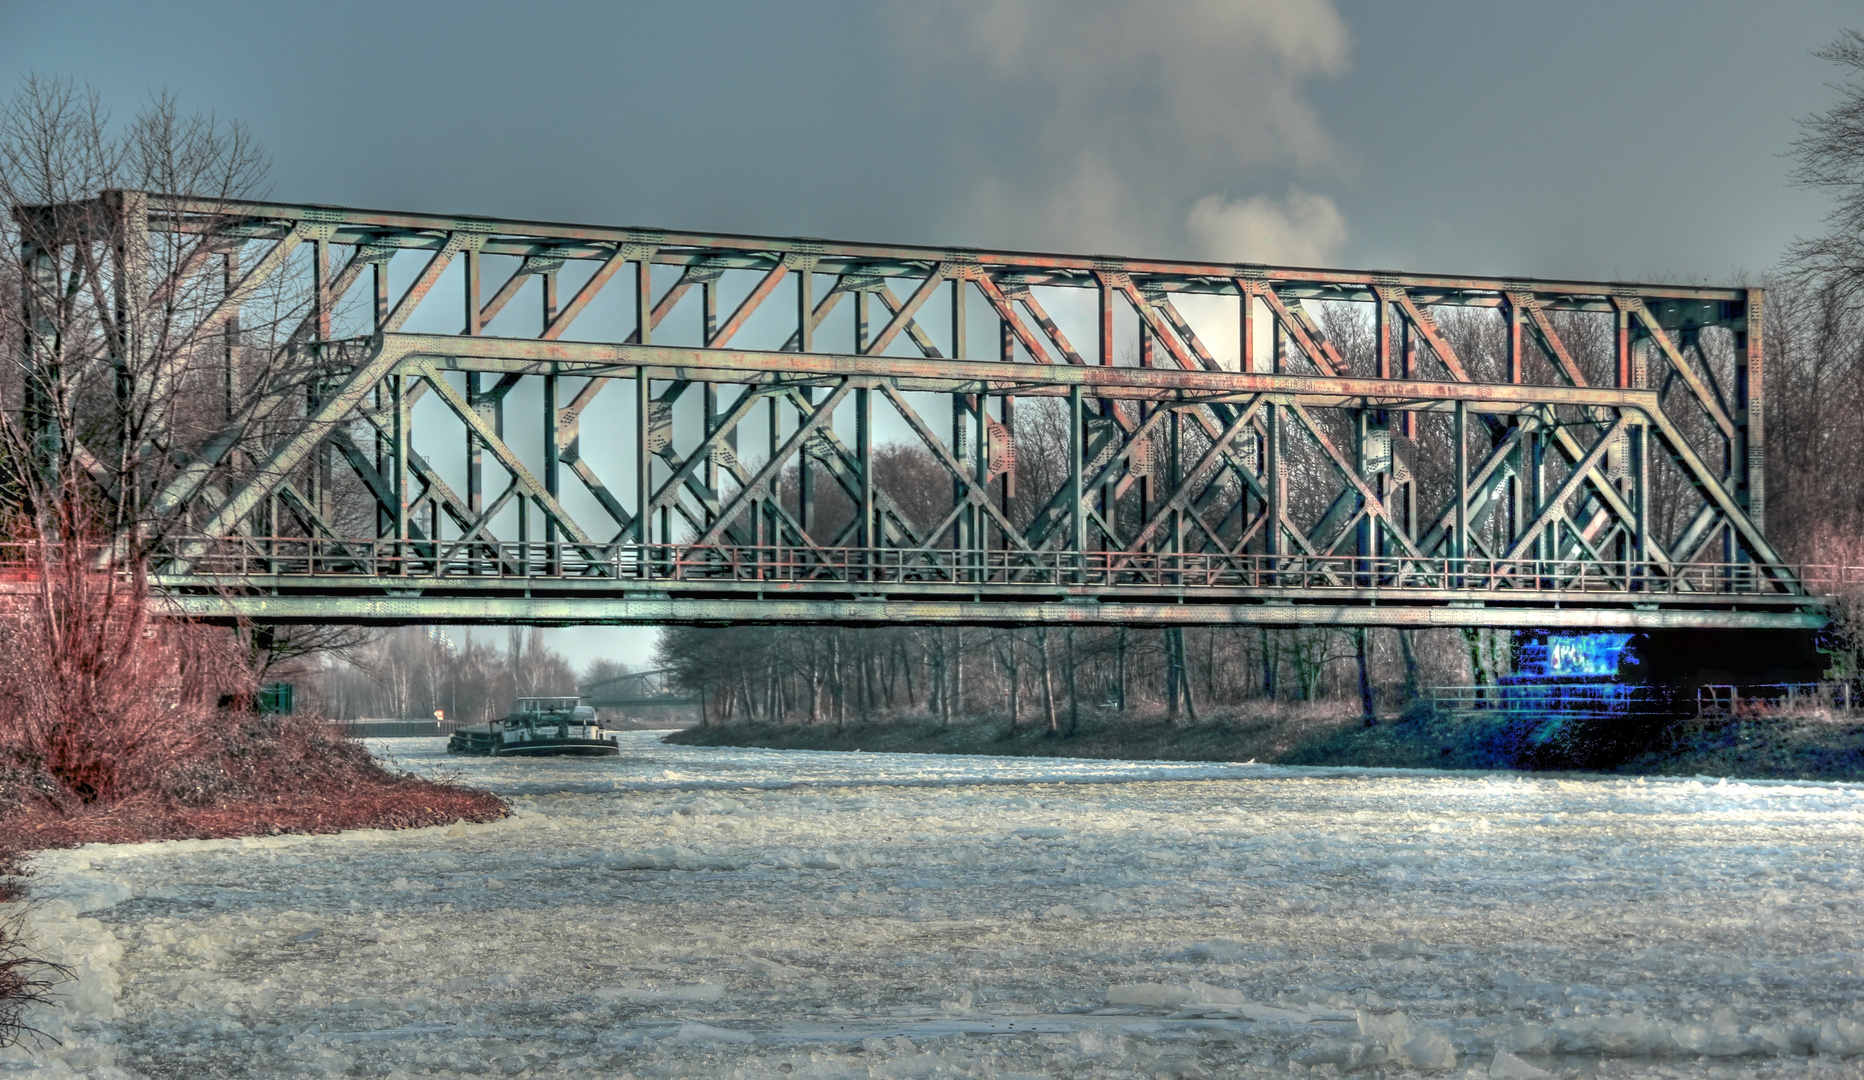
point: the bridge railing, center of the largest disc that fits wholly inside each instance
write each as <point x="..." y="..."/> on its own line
<point x="466" y="562"/>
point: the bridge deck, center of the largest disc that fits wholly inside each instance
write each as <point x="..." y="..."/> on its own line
<point x="375" y="581"/>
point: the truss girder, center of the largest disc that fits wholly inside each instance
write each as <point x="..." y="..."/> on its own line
<point x="741" y="452"/>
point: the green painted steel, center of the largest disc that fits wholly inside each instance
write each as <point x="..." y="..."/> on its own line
<point x="1360" y="448"/>
<point x="596" y="611"/>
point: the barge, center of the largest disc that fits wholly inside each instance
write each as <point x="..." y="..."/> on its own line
<point x="539" y="727"/>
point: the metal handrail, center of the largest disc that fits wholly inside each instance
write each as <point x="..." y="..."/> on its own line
<point x="296" y="556"/>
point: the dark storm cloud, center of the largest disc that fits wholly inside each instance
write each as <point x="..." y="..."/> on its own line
<point x="1587" y="139"/>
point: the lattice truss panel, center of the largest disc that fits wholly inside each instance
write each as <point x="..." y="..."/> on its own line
<point x="489" y="405"/>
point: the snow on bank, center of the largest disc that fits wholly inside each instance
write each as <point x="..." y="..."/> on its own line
<point x="727" y="912"/>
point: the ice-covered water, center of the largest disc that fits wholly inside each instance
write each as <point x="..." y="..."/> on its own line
<point x="684" y="911"/>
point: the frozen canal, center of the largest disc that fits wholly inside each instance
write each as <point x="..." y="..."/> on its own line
<point x="693" y="912"/>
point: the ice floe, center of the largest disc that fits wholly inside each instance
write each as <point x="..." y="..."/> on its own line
<point x="745" y="913"/>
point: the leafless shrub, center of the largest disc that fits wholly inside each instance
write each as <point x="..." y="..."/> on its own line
<point x="92" y="688"/>
<point x="25" y="980"/>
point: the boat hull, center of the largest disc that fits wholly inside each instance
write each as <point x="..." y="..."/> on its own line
<point x="559" y="748"/>
<point x="488" y="744"/>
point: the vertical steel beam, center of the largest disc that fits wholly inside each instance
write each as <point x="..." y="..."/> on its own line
<point x="231" y="386"/>
<point x="475" y="456"/>
<point x="805" y="474"/>
<point x="644" y="299"/>
<point x="1382" y="333"/>
<point x="643" y="459"/>
<point x="1077" y="436"/>
<point x="709" y="407"/>
<point x="320" y="289"/>
<point x="1518" y="515"/>
<point x="708" y="300"/>
<point x="1459" y="540"/>
<point x="379" y="274"/>
<point x="1106" y="320"/>
<point x="384" y="514"/>
<point x="960" y="445"/>
<point x="1175" y="434"/>
<point x="1365" y="534"/>
<point x="1622" y="346"/>
<point x="1246" y="330"/>
<point x="553" y="453"/>
<point x="398" y="394"/>
<point x="643" y="405"/>
<point x="960" y="324"/>
<point x="1640" y="493"/>
<point x="1537" y="490"/>
<point x="1277" y="480"/>
<point x="319" y="493"/>
<point x="39" y="355"/>
<point x="980" y="470"/>
<point x="1750" y="415"/>
<point x="129" y="340"/>
<point x="1108" y="508"/>
<point x="968" y="528"/>
<point x="773" y="414"/>
<point x="805" y="308"/>
<point x="1514" y="315"/>
<point x="864" y="450"/>
<point x="1008" y="480"/>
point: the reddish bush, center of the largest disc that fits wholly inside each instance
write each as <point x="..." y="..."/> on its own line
<point x="93" y="690"/>
<point x="111" y="725"/>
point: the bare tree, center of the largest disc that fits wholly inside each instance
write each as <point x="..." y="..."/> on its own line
<point x="122" y="353"/>
<point x="1830" y="150"/>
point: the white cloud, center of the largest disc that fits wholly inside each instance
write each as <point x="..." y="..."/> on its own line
<point x="1095" y="124"/>
<point x="1299" y="229"/>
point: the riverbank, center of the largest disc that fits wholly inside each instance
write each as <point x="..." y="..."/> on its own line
<point x="1812" y="747"/>
<point x="248" y="776"/>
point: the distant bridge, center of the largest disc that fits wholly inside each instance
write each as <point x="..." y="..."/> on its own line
<point x="519" y="422"/>
<point x="639" y="689"/>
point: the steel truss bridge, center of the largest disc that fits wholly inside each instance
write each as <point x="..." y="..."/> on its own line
<point x="637" y="689"/>
<point x="520" y="422"/>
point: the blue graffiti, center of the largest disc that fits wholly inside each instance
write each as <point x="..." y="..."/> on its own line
<point x="1576" y="656"/>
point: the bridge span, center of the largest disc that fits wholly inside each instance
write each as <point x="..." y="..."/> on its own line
<point x="481" y="420"/>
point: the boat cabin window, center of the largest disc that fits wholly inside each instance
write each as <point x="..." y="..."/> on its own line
<point x="548" y="704"/>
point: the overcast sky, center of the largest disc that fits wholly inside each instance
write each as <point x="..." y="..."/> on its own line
<point x="1595" y="140"/>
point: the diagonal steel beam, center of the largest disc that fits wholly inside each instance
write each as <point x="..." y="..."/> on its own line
<point x="331" y="412"/>
<point x="1426" y="328"/>
<point x="520" y="474"/>
<point x="748" y="305"/>
<point x="424" y="282"/>
<point x="1213" y="454"/>
<point x="906" y="312"/>
<point x="1373" y="503"/>
<point x="1574" y="481"/>
<point x="823" y="413"/>
<point x="1685" y="370"/>
<point x="1296" y="329"/>
<point x="585" y="294"/>
<point x="977" y="494"/>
